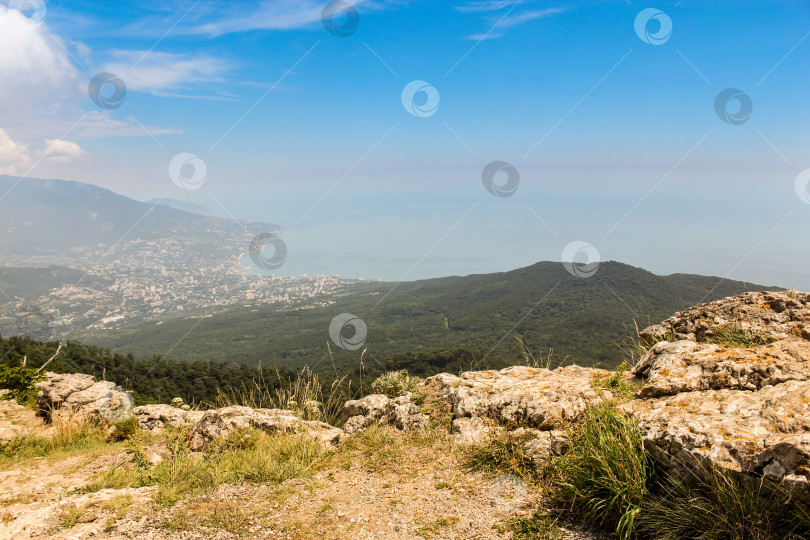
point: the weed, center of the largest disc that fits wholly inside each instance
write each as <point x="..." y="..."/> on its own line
<point x="69" y="517"/>
<point x="617" y="383"/>
<point x="249" y="456"/>
<point x="427" y="531"/>
<point x="71" y="433"/>
<point x="305" y="396"/>
<point x="715" y="505"/>
<point x="124" y="430"/>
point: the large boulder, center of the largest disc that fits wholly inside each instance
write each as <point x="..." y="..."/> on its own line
<point x="65" y="395"/>
<point x="760" y="433"/>
<point x="154" y="418"/>
<point x="686" y="366"/>
<point x="771" y="315"/>
<point x="538" y="398"/>
<point x="401" y="412"/>
<point x="218" y="423"/>
<point x="743" y="409"/>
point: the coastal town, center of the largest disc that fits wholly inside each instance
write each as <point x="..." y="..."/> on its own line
<point x="154" y="280"/>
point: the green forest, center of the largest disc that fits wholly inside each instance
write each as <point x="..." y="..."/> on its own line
<point x="574" y="320"/>
<point x="157" y="380"/>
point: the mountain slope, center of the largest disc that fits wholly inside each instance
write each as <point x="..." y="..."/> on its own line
<point x="60" y="221"/>
<point x="582" y="320"/>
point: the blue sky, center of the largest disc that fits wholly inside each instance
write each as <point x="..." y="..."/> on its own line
<point x="616" y="140"/>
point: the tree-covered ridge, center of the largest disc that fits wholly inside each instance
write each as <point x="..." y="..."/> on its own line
<point x="584" y="321"/>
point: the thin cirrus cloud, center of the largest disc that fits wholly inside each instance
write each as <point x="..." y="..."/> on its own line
<point x="270" y="15"/>
<point x="492" y="5"/>
<point x="500" y="23"/>
<point x="167" y="74"/>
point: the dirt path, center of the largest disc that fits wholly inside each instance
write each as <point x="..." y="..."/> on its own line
<point x="416" y="492"/>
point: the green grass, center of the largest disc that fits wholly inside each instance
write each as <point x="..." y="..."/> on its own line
<point x="541" y="525"/>
<point x="734" y="336"/>
<point x="720" y="505"/>
<point x="617" y="383"/>
<point x="504" y="453"/>
<point x="603" y="475"/>
<point x="242" y="456"/>
<point x="69" y="435"/>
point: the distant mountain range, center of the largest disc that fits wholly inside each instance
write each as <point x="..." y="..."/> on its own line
<point x="586" y="321"/>
<point x="58" y="222"/>
<point x="156" y="280"/>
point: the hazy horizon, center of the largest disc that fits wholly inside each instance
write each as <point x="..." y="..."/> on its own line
<point x="617" y="119"/>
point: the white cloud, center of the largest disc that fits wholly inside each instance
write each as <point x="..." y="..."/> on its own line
<point x="272" y="15"/>
<point x="60" y="151"/>
<point x="13" y="156"/>
<point x="161" y="72"/>
<point x="16" y="158"/>
<point x="42" y="94"/>
<point x="501" y="24"/>
<point x="37" y="77"/>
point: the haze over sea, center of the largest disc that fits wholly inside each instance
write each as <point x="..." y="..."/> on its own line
<point x="616" y="120"/>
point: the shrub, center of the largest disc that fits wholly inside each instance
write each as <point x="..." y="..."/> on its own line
<point x="124" y="430"/>
<point x="395" y="383"/>
<point x="604" y="473"/>
<point x="20" y="382"/>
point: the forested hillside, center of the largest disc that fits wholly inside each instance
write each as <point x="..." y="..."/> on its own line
<point x="584" y="321"/>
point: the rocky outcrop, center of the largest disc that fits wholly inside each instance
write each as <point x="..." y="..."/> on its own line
<point x="771" y="315"/>
<point x="698" y="403"/>
<point x="83" y="396"/>
<point x="764" y="432"/>
<point x="204" y="427"/>
<point x="744" y="409"/>
<point x="533" y="397"/>
<point x="686" y="366"/>
<point x="402" y="412"/>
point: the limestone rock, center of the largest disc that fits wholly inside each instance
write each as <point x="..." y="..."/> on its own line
<point x="685" y="366"/>
<point x="218" y="423"/>
<point x="470" y="431"/>
<point x="774" y="315"/>
<point x="57" y="387"/>
<point x="401" y="412"/>
<point x="763" y="432"/>
<point x="153" y="418"/>
<point x="539" y="446"/>
<point x="538" y="398"/>
<point x="81" y="395"/>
